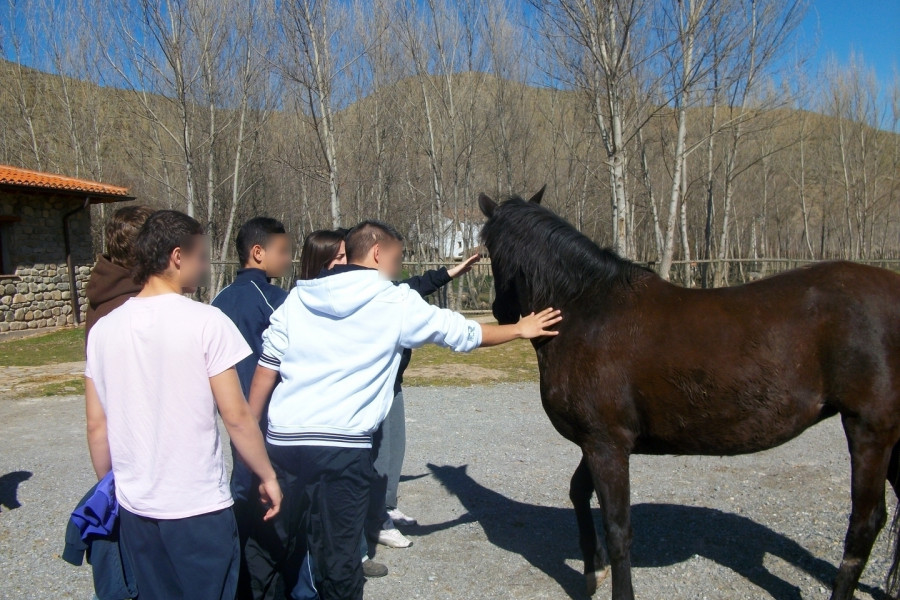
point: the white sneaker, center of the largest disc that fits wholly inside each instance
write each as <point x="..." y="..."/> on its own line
<point x="391" y="537"/>
<point x="401" y="519"/>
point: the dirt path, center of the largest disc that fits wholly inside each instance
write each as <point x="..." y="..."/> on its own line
<point x="20" y="382"/>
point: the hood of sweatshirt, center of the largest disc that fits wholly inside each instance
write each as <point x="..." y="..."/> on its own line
<point x="343" y="293"/>
<point x="108" y="281"/>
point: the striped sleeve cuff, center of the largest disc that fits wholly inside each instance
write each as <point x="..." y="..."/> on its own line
<point x="270" y="362"/>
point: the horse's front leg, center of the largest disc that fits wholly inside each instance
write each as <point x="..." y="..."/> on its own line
<point x="596" y="563"/>
<point x="609" y="468"/>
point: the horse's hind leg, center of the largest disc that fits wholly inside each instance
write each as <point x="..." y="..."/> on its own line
<point x="893" y="477"/>
<point x="870" y="453"/>
<point x="596" y="563"/>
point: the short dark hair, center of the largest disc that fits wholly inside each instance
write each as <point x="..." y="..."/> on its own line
<point x="121" y="230"/>
<point x="319" y="249"/>
<point x="367" y="234"/>
<point x="256" y="232"/>
<point x="163" y="231"/>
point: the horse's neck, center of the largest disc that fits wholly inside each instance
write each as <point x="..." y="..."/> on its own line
<point x="524" y="295"/>
<point x="529" y="302"/>
<point x="610" y="290"/>
<point x="555" y="294"/>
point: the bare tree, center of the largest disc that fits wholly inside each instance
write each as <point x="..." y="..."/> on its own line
<point x="857" y="116"/>
<point x="688" y="18"/>
<point x="308" y="61"/>
<point x="767" y="25"/>
<point x="21" y="42"/>
<point x="597" y="50"/>
<point x="250" y="92"/>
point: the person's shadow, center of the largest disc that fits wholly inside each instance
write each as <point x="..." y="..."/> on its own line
<point x="9" y="488"/>
<point x="664" y="535"/>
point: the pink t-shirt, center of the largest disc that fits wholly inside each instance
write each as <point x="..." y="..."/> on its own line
<point x="151" y="360"/>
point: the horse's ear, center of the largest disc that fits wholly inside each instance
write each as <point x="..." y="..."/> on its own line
<point x="537" y="197"/>
<point x="487" y="205"/>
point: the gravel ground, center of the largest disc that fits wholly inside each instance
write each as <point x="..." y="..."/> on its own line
<point x="487" y="476"/>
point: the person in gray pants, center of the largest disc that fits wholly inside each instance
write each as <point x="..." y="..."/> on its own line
<point x="389" y="442"/>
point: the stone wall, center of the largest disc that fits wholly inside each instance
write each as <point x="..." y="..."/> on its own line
<point x="39" y="294"/>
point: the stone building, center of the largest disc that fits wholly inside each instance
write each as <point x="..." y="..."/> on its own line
<point x="46" y="250"/>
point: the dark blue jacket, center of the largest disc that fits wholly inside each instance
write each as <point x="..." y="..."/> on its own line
<point x="425" y="284"/>
<point x="249" y="302"/>
<point x="113" y="573"/>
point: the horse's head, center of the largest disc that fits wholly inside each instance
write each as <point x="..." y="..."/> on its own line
<point x="539" y="259"/>
<point x="508" y="277"/>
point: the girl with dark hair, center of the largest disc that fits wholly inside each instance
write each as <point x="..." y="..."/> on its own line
<point x="321" y="251"/>
<point x="159" y="370"/>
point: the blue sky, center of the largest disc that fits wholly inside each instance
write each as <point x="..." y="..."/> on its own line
<point x="867" y="27"/>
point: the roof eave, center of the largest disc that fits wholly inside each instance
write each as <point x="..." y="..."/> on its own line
<point x="95" y="197"/>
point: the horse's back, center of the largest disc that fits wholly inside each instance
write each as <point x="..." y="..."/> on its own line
<point x="840" y="280"/>
<point x="856" y="308"/>
<point x="849" y="301"/>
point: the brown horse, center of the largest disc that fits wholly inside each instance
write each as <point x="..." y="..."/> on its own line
<point x="647" y="367"/>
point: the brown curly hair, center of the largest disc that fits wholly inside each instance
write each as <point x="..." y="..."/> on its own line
<point x="121" y="230"/>
<point x="163" y="231"/>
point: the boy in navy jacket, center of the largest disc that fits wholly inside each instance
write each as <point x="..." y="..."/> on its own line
<point x="264" y="250"/>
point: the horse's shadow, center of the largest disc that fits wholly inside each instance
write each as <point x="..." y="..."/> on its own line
<point x="664" y="535"/>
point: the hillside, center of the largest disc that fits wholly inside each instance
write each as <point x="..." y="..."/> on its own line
<point x="404" y="163"/>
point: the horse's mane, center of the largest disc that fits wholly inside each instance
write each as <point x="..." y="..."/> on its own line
<point x="557" y="260"/>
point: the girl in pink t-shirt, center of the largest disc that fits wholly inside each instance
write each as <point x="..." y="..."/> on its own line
<point x="159" y="368"/>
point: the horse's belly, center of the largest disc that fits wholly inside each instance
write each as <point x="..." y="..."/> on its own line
<point x="717" y="438"/>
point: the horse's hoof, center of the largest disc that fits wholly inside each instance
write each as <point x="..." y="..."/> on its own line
<point x="594" y="579"/>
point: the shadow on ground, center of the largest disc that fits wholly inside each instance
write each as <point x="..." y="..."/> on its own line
<point x="9" y="488"/>
<point x="664" y="535"/>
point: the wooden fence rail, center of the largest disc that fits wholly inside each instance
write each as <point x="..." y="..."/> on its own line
<point x="474" y="293"/>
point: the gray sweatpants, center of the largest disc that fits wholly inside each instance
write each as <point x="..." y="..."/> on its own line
<point x="389" y="448"/>
<point x="392" y="450"/>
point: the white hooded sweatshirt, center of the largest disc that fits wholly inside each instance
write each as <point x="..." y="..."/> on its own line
<point x="336" y="342"/>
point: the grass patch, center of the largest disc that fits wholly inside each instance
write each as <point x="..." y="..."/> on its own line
<point x="514" y="362"/>
<point x="44" y="385"/>
<point x="66" y="387"/>
<point x="61" y="346"/>
<point x="431" y="366"/>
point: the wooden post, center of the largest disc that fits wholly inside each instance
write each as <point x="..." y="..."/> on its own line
<point x="67" y="243"/>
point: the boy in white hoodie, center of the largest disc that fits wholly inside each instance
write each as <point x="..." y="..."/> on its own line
<point x="336" y="342"/>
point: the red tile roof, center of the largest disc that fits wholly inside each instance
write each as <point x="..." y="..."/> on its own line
<point x="36" y="180"/>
